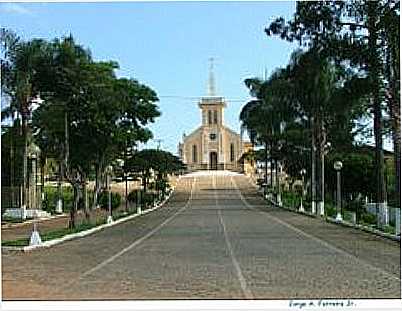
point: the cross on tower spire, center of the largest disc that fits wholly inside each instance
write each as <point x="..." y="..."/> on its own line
<point x="211" y="80"/>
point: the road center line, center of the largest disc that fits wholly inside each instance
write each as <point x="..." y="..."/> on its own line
<point x="243" y="284"/>
<point x="326" y="244"/>
<point x="142" y="239"/>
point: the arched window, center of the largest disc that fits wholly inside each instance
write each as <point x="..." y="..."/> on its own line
<point x="232" y="153"/>
<point x="194" y="153"/>
<point x="209" y="117"/>
<point x="215" y="117"/>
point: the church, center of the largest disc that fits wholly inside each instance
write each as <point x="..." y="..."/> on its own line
<point x="213" y="146"/>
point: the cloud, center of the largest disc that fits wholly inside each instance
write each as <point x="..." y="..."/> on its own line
<point x="14" y="8"/>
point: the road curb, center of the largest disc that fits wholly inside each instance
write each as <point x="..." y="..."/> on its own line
<point x="346" y="224"/>
<point x="342" y="223"/>
<point x="84" y="233"/>
<point x="364" y="228"/>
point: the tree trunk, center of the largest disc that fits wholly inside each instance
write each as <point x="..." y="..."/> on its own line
<point x="59" y="181"/>
<point x="42" y="179"/>
<point x="313" y="167"/>
<point x="393" y="101"/>
<point x="277" y="190"/>
<point x="85" y="198"/>
<point x="396" y="137"/>
<point x="12" y="162"/>
<point x="74" y="208"/>
<point x="321" y="142"/>
<point x="25" y="162"/>
<point x="98" y="184"/>
<point x="266" y="165"/>
<point x="271" y="159"/>
<point x="397" y="155"/>
<point x="145" y="183"/>
<point x="374" y="75"/>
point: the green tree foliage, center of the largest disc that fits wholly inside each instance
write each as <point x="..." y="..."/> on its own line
<point x="88" y="115"/>
<point x="264" y="117"/>
<point x="361" y="36"/>
<point x="159" y="161"/>
<point x="358" y="172"/>
<point x="21" y="65"/>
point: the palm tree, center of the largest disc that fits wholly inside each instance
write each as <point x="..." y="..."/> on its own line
<point x="313" y="80"/>
<point x="21" y="67"/>
<point x="265" y="117"/>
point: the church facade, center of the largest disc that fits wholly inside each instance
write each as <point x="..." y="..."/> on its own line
<point x="212" y="146"/>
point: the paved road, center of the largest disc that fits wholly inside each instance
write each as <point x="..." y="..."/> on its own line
<point x="215" y="239"/>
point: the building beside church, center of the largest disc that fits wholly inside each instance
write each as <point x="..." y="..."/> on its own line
<point x="213" y="146"/>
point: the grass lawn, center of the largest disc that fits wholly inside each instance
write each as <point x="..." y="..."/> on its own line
<point x="51" y="235"/>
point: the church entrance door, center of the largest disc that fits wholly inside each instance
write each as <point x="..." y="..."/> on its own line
<point x="213" y="161"/>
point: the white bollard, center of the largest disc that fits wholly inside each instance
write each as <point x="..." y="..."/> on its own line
<point x="383" y="215"/>
<point x="138" y="209"/>
<point x="397" y="221"/>
<point x="353" y="215"/>
<point x="321" y="208"/>
<point x="279" y="200"/>
<point x="35" y="237"/>
<point x="109" y="219"/>
<point x="301" y="208"/>
<point x="59" y="206"/>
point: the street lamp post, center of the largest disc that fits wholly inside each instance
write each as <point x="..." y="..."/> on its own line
<point x="338" y="167"/>
<point x="302" y="173"/>
<point x="109" y="173"/>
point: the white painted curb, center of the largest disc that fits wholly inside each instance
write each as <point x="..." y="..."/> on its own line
<point x="342" y="222"/>
<point x="86" y="232"/>
<point x="365" y="228"/>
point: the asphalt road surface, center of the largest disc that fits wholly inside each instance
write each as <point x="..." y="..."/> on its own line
<point x="215" y="239"/>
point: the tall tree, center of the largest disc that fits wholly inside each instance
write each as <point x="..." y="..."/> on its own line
<point x="348" y="32"/>
<point x="94" y="113"/>
<point x="20" y="86"/>
<point x="159" y="161"/>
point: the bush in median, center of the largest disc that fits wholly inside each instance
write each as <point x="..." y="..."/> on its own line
<point x="104" y="200"/>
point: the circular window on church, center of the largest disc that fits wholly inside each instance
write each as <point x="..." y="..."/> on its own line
<point x="212" y="136"/>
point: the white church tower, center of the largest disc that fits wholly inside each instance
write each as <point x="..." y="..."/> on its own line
<point x="212" y="146"/>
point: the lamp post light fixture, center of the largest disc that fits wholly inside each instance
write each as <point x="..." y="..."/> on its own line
<point x="338" y="166"/>
<point x="302" y="173"/>
<point x="109" y="173"/>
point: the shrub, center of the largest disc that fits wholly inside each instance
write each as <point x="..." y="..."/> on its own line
<point x="355" y="206"/>
<point x="330" y="210"/>
<point x="132" y="196"/>
<point x="51" y="196"/>
<point x="104" y="200"/>
<point x="389" y="229"/>
<point x="369" y="219"/>
<point x="162" y="185"/>
<point x="146" y="198"/>
<point x="290" y="199"/>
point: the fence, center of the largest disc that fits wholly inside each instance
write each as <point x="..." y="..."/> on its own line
<point x="376" y="216"/>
